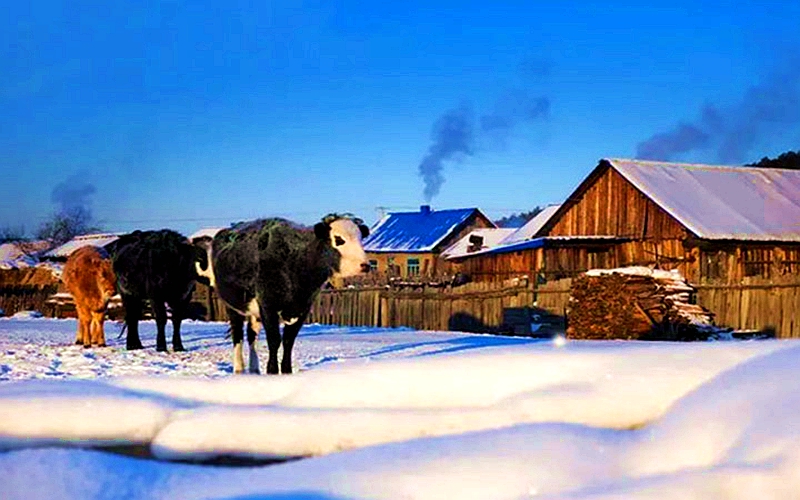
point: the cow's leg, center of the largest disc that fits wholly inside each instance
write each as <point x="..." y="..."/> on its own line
<point x="133" y="310"/>
<point x="290" y="331"/>
<point x="85" y="322"/>
<point x="252" y="336"/>
<point x="237" y="321"/>
<point x="98" y="330"/>
<point x="177" y="317"/>
<point x="272" y="327"/>
<point x="79" y="334"/>
<point x="160" y="312"/>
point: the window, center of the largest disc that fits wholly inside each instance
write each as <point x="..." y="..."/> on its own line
<point x="757" y="262"/>
<point x="391" y="267"/>
<point x="373" y="265"/>
<point x="412" y="266"/>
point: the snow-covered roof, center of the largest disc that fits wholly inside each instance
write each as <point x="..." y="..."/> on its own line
<point x="98" y="240"/>
<point x="208" y="232"/>
<point x="492" y="236"/>
<point x="722" y="202"/>
<point x="21" y="254"/>
<point x="533" y="226"/>
<point x="538" y="243"/>
<point x="13" y="257"/>
<point x="418" y="231"/>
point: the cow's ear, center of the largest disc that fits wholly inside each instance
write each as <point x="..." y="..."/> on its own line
<point x="322" y="231"/>
<point x="364" y="230"/>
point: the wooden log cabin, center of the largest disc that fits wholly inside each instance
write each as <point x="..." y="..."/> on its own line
<point x="712" y="223"/>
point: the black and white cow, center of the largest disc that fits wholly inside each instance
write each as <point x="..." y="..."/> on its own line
<point x="270" y="271"/>
<point x="158" y="266"/>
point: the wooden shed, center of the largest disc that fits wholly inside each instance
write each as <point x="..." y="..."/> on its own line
<point x="712" y="223"/>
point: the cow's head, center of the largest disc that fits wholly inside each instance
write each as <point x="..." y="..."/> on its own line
<point x="345" y="235"/>
<point x="106" y="278"/>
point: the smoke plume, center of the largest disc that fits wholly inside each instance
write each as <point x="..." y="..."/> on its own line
<point x="513" y="108"/>
<point x="454" y="132"/>
<point x="452" y="135"/>
<point x="732" y="132"/>
<point x="73" y="195"/>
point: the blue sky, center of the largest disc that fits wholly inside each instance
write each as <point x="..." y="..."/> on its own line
<point x="196" y="114"/>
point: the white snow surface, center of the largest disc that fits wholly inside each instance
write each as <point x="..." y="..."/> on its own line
<point x="13" y="257"/>
<point x="398" y="413"/>
<point x="492" y="236"/>
<point x="532" y="227"/>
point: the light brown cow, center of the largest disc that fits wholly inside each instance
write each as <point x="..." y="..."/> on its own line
<point x="90" y="279"/>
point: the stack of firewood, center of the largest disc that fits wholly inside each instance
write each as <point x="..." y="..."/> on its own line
<point x="636" y="303"/>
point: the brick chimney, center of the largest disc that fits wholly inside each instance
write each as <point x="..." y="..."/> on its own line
<point x="425" y="209"/>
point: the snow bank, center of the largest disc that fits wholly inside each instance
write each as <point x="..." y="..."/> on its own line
<point x="405" y="414"/>
<point x="25" y="315"/>
<point x="78" y="413"/>
<point x="605" y="384"/>
<point x="733" y="437"/>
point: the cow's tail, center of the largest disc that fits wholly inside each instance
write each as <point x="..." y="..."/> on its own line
<point x="122" y="331"/>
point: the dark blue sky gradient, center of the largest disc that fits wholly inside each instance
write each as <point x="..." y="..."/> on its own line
<point x="198" y="114"/>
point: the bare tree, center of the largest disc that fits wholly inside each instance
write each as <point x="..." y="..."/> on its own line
<point x="65" y="225"/>
<point x="10" y="234"/>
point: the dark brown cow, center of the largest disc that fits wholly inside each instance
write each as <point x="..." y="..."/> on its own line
<point x="90" y="279"/>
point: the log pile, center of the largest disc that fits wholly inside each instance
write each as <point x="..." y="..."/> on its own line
<point x="636" y="303"/>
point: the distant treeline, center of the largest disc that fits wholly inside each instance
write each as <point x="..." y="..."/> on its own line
<point x="518" y="220"/>
<point x="790" y="159"/>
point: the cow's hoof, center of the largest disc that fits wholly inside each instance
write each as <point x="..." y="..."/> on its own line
<point x="87" y="346"/>
<point x="134" y="347"/>
<point x="272" y="370"/>
<point x="101" y="344"/>
<point x="178" y="348"/>
<point x="161" y="348"/>
<point x="78" y="342"/>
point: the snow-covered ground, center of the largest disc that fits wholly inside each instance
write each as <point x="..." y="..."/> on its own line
<point x="398" y="414"/>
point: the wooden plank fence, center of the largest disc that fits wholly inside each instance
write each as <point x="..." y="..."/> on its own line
<point x="16" y="298"/>
<point x="755" y="305"/>
<point x="752" y="305"/>
<point x="472" y="307"/>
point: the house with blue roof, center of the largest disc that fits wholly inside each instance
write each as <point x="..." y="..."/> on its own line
<point x="409" y="244"/>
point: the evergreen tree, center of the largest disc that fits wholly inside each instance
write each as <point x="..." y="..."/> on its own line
<point x="789" y="159"/>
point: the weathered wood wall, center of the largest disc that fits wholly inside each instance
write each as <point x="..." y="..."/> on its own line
<point x="733" y="262"/>
<point x="500" y="266"/>
<point x="204" y="297"/>
<point x="755" y="304"/>
<point x="472" y="307"/>
<point x="613" y="206"/>
<point x="16" y="298"/>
